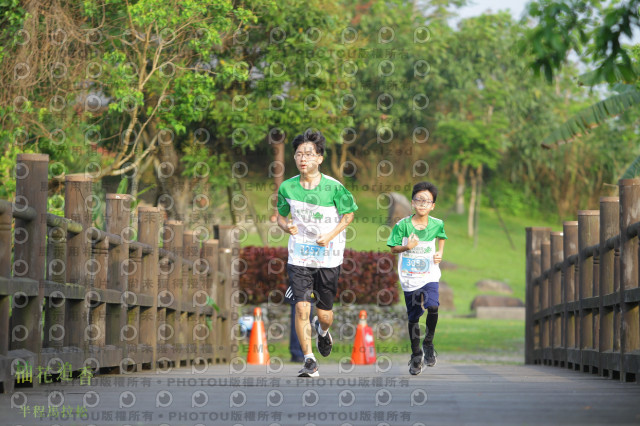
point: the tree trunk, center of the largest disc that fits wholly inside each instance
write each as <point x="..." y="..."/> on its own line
<point x="472" y="202"/>
<point x="476" y="221"/>
<point x="232" y="213"/>
<point x="460" y="173"/>
<point x="278" y="169"/>
<point x="337" y="164"/>
<point x="278" y="174"/>
<point x="174" y="189"/>
<point x="335" y="168"/>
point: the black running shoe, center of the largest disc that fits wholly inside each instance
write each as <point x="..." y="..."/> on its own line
<point x="415" y="365"/>
<point x="324" y="343"/>
<point x="309" y="369"/>
<point x="429" y="354"/>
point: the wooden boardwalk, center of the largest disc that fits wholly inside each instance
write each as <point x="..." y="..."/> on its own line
<point x="236" y="394"/>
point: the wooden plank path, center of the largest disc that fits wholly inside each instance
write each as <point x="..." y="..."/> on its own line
<point x="236" y="394"/>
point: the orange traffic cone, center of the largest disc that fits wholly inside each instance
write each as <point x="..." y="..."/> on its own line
<point x="364" y="349"/>
<point x="258" y="351"/>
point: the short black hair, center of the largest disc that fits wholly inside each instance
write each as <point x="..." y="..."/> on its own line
<point x="425" y="186"/>
<point x="310" y="135"/>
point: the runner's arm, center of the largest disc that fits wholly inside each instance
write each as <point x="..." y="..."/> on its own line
<point x="437" y="258"/>
<point x="324" y="239"/>
<point x="283" y="223"/>
<point x="411" y="243"/>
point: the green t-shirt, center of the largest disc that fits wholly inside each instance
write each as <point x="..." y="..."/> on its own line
<point x="415" y="266"/>
<point x="315" y="211"/>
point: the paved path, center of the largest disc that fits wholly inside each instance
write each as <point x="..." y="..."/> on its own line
<point x="452" y="394"/>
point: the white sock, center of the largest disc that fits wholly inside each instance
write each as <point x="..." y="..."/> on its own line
<point x="321" y="331"/>
<point x="311" y="355"/>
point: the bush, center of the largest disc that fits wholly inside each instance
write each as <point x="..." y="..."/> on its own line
<point x="367" y="277"/>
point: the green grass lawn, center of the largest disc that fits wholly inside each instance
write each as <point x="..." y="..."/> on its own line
<point x="493" y="258"/>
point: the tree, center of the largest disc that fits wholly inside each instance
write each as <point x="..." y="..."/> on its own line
<point x="180" y="88"/>
<point x="480" y="73"/>
<point x="391" y="100"/>
<point x="594" y="31"/>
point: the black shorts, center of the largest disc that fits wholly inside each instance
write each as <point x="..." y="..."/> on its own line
<point x="323" y="282"/>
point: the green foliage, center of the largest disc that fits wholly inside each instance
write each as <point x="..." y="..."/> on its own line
<point x="481" y="73"/>
<point x="510" y="199"/>
<point x="255" y="72"/>
<point x="7" y="166"/>
<point x="592" y="28"/>
<point x="633" y="170"/>
<point x="593" y="116"/>
<point x="55" y="205"/>
<point x="204" y="167"/>
<point x="595" y="30"/>
<point x="473" y="143"/>
<point x="12" y="16"/>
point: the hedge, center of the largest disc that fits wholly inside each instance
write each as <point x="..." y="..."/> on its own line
<point x="367" y="277"/>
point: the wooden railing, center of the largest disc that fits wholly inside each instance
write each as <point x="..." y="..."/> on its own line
<point x="76" y="296"/>
<point x="583" y="290"/>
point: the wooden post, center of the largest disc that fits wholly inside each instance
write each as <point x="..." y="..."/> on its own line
<point x="117" y="219"/>
<point x="588" y="234"/>
<point x="54" y="307"/>
<point x="172" y="240"/>
<point x="192" y="253"/>
<point x="629" y="190"/>
<point x="29" y="251"/>
<point x="557" y="256"/>
<point x="148" y="231"/>
<point x="229" y="253"/>
<point x="609" y="227"/>
<point x="5" y="274"/>
<point x="133" y="270"/>
<point x="211" y="257"/>
<point x="570" y="246"/>
<point x="96" y="332"/>
<point x="545" y="321"/>
<point x="164" y="330"/>
<point x="201" y="332"/>
<point x="533" y="268"/>
<point x="78" y="207"/>
<point x="6" y="378"/>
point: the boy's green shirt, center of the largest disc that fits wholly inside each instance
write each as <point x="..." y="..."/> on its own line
<point x="415" y="266"/>
<point x="315" y="212"/>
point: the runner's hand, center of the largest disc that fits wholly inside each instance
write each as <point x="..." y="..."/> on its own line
<point x="437" y="257"/>
<point x="413" y="241"/>
<point x="323" y="240"/>
<point x="293" y="229"/>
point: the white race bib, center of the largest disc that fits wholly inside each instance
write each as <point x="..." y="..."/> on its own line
<point x="311" y="255"/>
<point x="417" y="262"/>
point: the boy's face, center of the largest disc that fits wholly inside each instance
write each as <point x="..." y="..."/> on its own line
<point x="307" y="160"/>
<point x="423" y="203"/>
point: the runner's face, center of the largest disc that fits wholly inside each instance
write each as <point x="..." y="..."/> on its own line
<point x="423" y="203"/>
<point x="307" y="160"/>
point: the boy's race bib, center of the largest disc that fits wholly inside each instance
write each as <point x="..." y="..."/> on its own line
<point x="417" y="262"/>
<point x="312" y="255"/>
<point x="412" y="266"/>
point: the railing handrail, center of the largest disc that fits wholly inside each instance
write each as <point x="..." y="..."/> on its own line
<point x="98" y="285"/>
<point x="583" y="289"/>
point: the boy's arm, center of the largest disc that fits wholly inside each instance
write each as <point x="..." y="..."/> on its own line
<point x="398" y="249"/>
<point x="411" y="243"/>
<point x="324" y="239"/>
<point x="286" y="226"/>
<point x="437" y="257"/>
